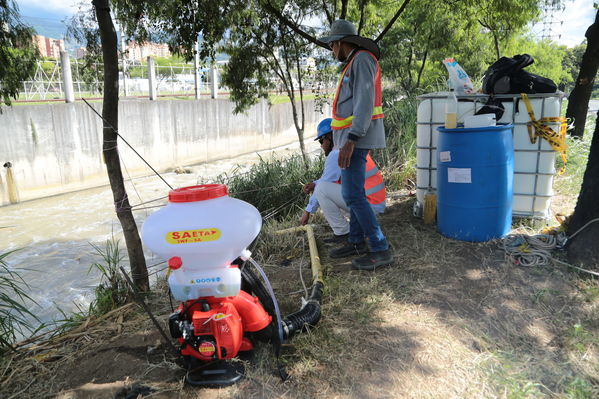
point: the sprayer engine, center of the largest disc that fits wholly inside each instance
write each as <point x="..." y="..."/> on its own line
<point x="212" y="328"/>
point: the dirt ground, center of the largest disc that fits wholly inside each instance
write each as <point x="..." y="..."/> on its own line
<point x="449" y="320"/>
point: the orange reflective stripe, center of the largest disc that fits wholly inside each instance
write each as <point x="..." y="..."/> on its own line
<point x="374" y="184"/>
<point x="338" y="122"/>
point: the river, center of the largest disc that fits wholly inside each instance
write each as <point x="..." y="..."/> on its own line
<point x="52" y="236"/>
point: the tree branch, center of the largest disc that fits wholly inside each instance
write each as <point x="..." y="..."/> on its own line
<point x="390" y="24"/>
<point x="327" y="12"/>
<point x="428" y="42"/>
<point x="343" y="9"/>
<point x="361" y="24"/>
<point x="293" y="26"/>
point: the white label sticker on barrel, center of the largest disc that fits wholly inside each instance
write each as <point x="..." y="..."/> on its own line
<point x="191" y="236"/>
<point x="459" y="175"/>
<point x="445" y="156"/>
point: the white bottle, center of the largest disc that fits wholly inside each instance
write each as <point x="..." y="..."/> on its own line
<point x="451" y="111"/>
<point x="200" y="232"/>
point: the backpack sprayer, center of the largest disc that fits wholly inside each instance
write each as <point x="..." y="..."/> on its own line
<point x="203" y="233"/>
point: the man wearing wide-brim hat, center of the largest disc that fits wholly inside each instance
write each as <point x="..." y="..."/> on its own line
<point x="358" y="128"/>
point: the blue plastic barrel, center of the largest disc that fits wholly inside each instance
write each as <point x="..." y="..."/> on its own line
<point x="475" y="176"/>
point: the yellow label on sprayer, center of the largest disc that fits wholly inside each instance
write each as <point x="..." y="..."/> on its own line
<point x="192" y="236"/>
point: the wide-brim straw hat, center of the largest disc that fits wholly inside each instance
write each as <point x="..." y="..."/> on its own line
<point x="345" y="31"/>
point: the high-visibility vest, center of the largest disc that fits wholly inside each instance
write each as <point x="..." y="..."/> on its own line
<point x="373" y="184"/>
<point x="340" y="122"/>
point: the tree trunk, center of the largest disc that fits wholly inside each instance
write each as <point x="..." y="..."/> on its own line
<point x="496" y="43"/>
<point x="578" y="102"/>
<point x="110" y="113"/>
<point x="583" y="248"/>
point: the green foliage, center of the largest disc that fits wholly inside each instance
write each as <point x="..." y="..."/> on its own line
<point x="580" y="388"/>
<point x="580" y="338"/>
<point x="578" y="155"/>
<point x="275" y="186"/>
<point x="399" y="157"/>
<point x="549" y="58"/>
<point x="469" y="31"/>
<point x="571" y="66"/>
<point x="246" y="76"/>
<point x="15" y="315"/>
<point x="83" y="28"/>
<point x="112" y="291"/>
<point x="18" y="55"/>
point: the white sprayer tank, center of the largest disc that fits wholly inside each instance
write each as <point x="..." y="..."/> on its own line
<point x="200" y="232"/>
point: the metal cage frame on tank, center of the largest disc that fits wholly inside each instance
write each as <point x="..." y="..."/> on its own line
<point x="534" y="164"/>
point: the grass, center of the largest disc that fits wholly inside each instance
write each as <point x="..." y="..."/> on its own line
<point x="274" y="186"/>
<point x="111" y="293"/>
<point x="16" y="316"/>
<point x="283" y="98"/>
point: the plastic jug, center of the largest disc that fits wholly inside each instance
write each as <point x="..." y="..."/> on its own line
<point x="201" y="231"/>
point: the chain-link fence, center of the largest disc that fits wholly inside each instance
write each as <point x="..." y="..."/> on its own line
<point x="47" y="83"/>
<point x="169" y="80"/>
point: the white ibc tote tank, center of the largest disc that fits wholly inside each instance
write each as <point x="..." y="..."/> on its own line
<point x="534" y="164"/>
<point x="200" y="232"/>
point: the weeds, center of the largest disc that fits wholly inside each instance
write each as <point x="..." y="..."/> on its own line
<point x="274" y="187"/>
<point x="15" y="315"/>
<point x="580" y="388"/>
<point x="399" y="158"/>
<point x="579" y="338"/>
<point x="112" y="291"/>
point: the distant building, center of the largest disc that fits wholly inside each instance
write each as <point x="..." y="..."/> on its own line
<point x="48" y="47"/>
<point x="140" y="51"/>
<point x="80" y="52"/>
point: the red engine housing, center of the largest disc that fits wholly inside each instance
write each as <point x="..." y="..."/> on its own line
<point x="219" y="327"/>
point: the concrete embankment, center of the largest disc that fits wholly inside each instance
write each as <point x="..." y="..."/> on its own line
<point x="57" y="148"/>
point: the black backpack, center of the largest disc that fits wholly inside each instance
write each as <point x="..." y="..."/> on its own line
<point x="507" y="75"/>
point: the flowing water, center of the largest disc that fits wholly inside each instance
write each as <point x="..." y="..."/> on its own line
<point x="52" y="236"/>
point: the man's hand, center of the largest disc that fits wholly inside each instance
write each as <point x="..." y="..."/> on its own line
<point x="345" y="154"/>
<point x="304" y="219"/>
<point x="309" y="187"/>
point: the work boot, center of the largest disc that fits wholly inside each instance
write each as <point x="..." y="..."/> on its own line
<point x="335" y="239"/>
<point x="349" y="249"/>
<point x="373" y="260"/>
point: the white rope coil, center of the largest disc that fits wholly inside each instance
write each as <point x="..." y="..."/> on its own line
<point x="525" y="250"/>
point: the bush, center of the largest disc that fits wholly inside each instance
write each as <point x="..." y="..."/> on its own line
<point x="399" y="158"/>
<point x="274" y="187"/>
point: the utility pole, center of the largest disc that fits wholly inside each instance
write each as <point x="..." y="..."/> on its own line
<point x="152" y="78"/>
<point x="214" y="78"/>
<point x="67" y="77"/>
<point x="196" y="65"/>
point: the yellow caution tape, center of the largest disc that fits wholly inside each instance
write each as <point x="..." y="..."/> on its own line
<point x="539" y="128"/>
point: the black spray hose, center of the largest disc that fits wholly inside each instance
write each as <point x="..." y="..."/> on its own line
<point x="308" y="315"/>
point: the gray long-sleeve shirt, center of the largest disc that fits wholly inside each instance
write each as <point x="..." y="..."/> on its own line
<point x="356" y="97"/>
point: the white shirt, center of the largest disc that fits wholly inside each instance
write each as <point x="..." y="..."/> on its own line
<point x="332" y="173"/>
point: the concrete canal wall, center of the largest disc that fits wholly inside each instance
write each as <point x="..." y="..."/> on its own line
<point x="57" y="148"/>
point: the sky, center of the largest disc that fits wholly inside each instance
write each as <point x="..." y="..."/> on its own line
<point x="580" y="15"/>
